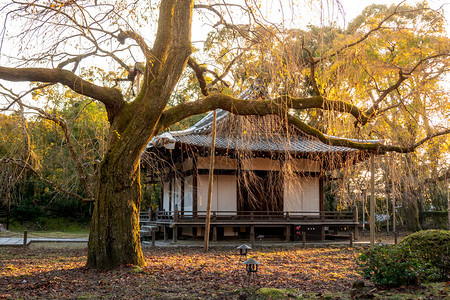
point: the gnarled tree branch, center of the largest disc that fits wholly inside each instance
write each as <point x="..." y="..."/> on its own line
<point x="278" y="107"/>
<point x="110" y="97"/>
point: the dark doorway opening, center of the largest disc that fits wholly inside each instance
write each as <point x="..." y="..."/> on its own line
<point x="260" y="191"/>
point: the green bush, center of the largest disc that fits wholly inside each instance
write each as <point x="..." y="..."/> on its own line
<point x="27" y="211"/>
<point x="421" y="256"/>
<point x="391" y="266"/>
<point x="431" y="247"/>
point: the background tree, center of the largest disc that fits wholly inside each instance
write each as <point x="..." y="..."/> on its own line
<point x="353" y="81"/>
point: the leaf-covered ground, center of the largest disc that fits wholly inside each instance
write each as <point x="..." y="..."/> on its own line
<point x="176" y="273"/>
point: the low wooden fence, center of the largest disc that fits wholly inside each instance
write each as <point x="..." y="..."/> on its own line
<point x="187" y="216"/>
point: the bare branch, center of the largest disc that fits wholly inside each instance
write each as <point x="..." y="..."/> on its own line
<point x="123" y="35"/>
<point x="367" y="35"/>
<point x="226" y="71"/>
<point x="402" y="76"/>
<point x="199" y="71"/>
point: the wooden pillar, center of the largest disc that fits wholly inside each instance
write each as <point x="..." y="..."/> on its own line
<point x="252" y="235"/>
<point x="175" y="234"/>
<point x="372" y="200"/>
<point x="321" y="195"/>
<point x="214" y="233"/>
<point x="288" y="233"/>
<point x="182" y="196"/>
<point x="239" y="203"/>
<point x="153" y="238"/>
<point x="161" y="199"/>
<point x="394" y="223"/>
<point x="356" y="220"/>
<point x="304" y="239"/>
<point x="166" y="234"/>
<point x="322" y="233"/>
<point x="448" y="203"/>
<point x="25" y="236"/>
<point x="195" y="190"/>
<point x="170" y="193"/>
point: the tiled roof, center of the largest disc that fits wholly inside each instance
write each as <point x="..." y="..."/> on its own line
<point x="265" y="144"/>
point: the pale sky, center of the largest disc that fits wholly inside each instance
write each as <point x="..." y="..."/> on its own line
<point x="299" y="13"/>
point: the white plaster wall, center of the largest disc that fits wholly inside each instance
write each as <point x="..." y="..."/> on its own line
<point x="166" y="196"/>
<point x="301" y="164"/>
<point x="227" y="193"/>
<point x="220" y="162"/>
<point x="260" y="163"/>
<point x="202" y="190"/>
<point x="188" y="195"/>
<point x="302" y="194"/>
<point x="292" y="194"/>
<point x="311" y="198"/>
<point x="223" y="196"/>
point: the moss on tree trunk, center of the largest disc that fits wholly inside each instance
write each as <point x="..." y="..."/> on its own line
<point x="114" y="234"/>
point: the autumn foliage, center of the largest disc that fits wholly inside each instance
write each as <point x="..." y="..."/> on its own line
<point x="174" y="273"/>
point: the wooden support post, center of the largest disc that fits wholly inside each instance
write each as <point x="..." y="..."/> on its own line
<point x="351" y="239"/>
<point x="210" y="183"/>
<point x="304" y="239"/>
<point x="448" y="203"/>
<point x="394" y="229"/>
<point x="153" y="238"/>
<point x="176" y="213"/>
<point x="252" y="235"/>
<point x="356" y="232"/>
<point x="175" y="234"/>
<point x="372" y="200"/>
<point x="214" y="233"/>
<point x="25" y="236"/>
<point x="288" y="233"/>
<point x="166" y="234"/>
<point x="322" y="233"/>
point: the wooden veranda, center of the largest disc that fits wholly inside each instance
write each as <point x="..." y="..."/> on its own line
<point x="315" y="224"/>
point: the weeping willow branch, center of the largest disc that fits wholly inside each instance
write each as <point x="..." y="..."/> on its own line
<point x="273" y="107"/>
<point x="63" y="125"/>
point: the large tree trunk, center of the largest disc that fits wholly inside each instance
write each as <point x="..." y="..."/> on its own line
<point x="114" y="234"/>
<point x="413" y="212"/>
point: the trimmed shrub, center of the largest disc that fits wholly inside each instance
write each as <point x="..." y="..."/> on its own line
<point x="388" y="265"/>
<point x="421" y="256"/>
<point x="431" y="247"/>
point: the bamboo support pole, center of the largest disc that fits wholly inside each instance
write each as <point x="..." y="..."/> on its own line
<point x="394" y="229"/>
<point x="210" y="184"/>
<point x="372" y="200"/>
